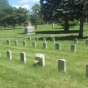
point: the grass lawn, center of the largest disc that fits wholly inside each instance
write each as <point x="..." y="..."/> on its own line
<point x="16" y="74"/>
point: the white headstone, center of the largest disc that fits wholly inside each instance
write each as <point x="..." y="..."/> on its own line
<point x="58" y="46"/>
<point x="53" y="40"/>
<point x="24" y="43"/>
<point x="29" y="30"/>
<point x="73" y="48"/>
<point x="34" y="44"/>
<point x="62" y="65"/>
<point x="9" y="55"/>
<point x="44" y="39"/>
<point x="45" y="45"/>
<point x="40" y="59"/>
<point x="23" y="57"/>
<point x="75" y="41"/>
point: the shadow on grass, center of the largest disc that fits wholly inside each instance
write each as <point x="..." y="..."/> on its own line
<point x="22" y="33"/>
<point x="70" y="37"/>
<point x="10" y="28"/>
<point x="56" y="32"/>
<point x="6" y="29"/>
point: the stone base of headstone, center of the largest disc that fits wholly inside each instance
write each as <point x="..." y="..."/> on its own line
<point x="40" y="59"/>
<point x="29" y="30"/>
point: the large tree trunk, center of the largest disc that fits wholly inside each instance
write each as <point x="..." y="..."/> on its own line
<point x="66" y="24"/>
<point x="81" y="27"/>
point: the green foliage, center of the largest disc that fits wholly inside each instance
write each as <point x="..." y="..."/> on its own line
<point x="71" y="23"/>
<point x="11" y="15"/>
<point x="36" y="9"/>
<point x="35" y="16"/>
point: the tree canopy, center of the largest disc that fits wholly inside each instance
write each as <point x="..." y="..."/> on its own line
<point x="10" y="15"/>
<point x="35" y="16"/>
<point x="66" y="9"/>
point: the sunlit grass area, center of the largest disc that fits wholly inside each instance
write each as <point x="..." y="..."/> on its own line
<point x="16" y="74"/>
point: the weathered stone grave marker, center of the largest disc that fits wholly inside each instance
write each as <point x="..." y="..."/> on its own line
<point x="8" y="42"/>
<point x="23" y="57"/>
<point x="62" y="65"/>
<point x="45" y="45"/>
<point x="40" y="59"/>
<point x="86" y="41"/>
<point x="9" y="55"/>
<point x="58" y="46"/>
<point x="16" y="42"/>
<point x="34" y="44"/>
<point x="75" y="41"/>
<point x="53" y="40"/>
<point x="24" y="43"/>
<point x="44" y="39"/>
<point x="73" y="48"/>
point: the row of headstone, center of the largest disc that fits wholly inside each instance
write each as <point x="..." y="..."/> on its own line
<point x="62" y="66"/>
<point x="40" y="60"/>
<point x="57" y="45"/>
<point x="22" y="56"/>
<point x="76" y="41"/>
<point x="44" y="40"/>
<point x="16" y="42"/>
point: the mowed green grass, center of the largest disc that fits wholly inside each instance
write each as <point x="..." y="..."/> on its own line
<point x="16" y="74"/>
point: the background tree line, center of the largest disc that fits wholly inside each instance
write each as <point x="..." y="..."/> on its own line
<point x="11" y="16"/>
<point x="64" y="12"/>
